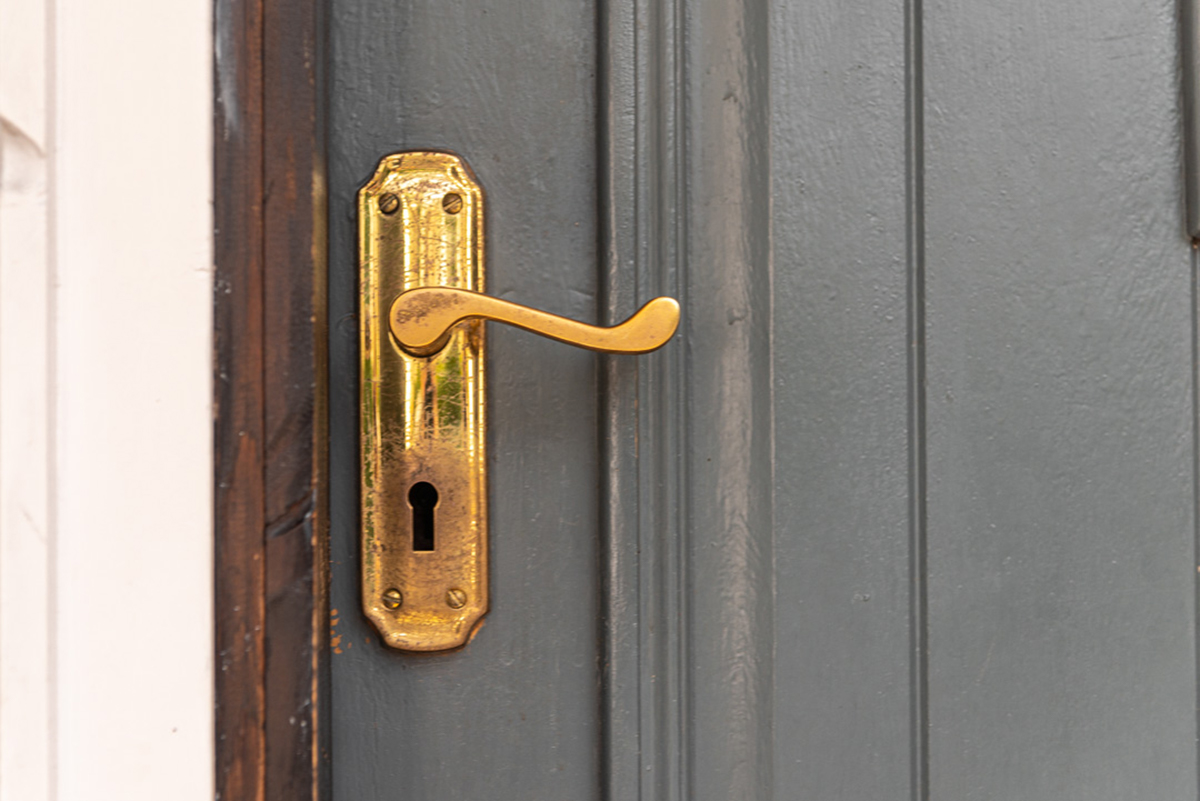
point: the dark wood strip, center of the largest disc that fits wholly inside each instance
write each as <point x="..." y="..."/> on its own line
<point x="269" y="213"/>
<point x="293" y="215"/>
<point x="238" y="385"/>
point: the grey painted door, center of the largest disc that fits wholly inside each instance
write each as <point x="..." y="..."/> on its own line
<point x="907" y="509"/>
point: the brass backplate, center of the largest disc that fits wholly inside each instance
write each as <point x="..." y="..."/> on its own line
<point x="424" y="565"/>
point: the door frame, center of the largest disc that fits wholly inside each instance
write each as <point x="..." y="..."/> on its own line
<point x="270" y="601"/>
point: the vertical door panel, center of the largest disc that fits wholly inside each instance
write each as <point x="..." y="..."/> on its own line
<point x="842" y="534"/>
<point x="509" y="86"/>
<point x="1060" y="416"/>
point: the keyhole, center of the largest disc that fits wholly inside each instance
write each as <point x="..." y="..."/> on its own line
<point x="423" y="497"/>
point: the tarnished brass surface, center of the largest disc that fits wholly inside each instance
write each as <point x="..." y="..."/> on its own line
<point x="423" y="321"/>
<point x="421" y="224"/>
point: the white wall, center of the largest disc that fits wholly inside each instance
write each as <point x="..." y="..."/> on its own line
<point x="105" y="400"/>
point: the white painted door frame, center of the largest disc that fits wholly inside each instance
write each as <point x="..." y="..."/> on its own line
<point x="105" y="400"/>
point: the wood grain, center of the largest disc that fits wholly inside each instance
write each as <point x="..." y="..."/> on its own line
<point x="1059" y="293"/>
<point x="841" y="400"/>
<point x="269" y="212"/>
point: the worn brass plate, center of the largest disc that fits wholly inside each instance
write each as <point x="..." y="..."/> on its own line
<point x="424" y="572"/>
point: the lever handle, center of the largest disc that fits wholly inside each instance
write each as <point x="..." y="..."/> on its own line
<point x="422" y="319"/>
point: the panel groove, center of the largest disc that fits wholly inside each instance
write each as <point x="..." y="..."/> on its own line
<point x="1195" y="314"/>
<point x="673" y="205"/>
<point x="1189" y="31"/>
<point x="915" y="201"/>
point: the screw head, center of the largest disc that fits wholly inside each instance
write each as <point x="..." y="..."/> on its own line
<point x="456" y="598"/>
<point x="392" y="598"/>
<point x="452" y="203"/>
<point x="389" y="203"/>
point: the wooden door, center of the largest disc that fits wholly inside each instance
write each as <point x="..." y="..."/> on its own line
<point x="907" y="509"/>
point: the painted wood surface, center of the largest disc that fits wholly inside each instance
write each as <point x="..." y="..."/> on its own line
<point x="845" y="531"/>
<point x="106" y="666"/>
<point x="27" y="740"/>
<point x="907" y="510"/>
<point x="511" y="88"/>
<point x="1061" y="420"/>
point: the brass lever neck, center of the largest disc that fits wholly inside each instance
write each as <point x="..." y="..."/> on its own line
<point x="422" y="319"/>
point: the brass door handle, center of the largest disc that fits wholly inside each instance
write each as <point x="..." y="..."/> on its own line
<point x="422" y="320"/>
<point x="423" y="421"/>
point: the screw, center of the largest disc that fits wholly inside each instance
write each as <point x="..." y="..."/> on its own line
<point x="392" y="599"/>
<point x="389" y="203"/>
<point x="452" y="203"/>
<point x="456" y="598"/>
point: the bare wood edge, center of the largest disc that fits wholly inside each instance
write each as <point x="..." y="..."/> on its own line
<point x="238" y="569"/>
<point x="270" y="730"/>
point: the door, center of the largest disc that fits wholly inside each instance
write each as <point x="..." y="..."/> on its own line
<point x="907" y="508"/>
